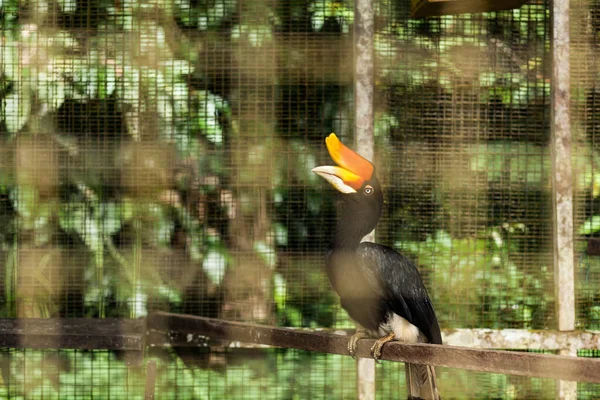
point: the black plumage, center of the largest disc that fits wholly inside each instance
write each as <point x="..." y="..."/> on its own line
<point x="380" y="289"/>
<point x="373" y="280"/>
<point x="400" y="286"/>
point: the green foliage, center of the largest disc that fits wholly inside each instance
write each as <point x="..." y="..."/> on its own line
<point x="265" y="374"/>
<point x="204" y="15"/>
<point x="338" y="10"/>
<point x="455" y="50"/>
<point x="482" y="273"/>
<point x="47" y="67"/>
<point x="171" y="140"/>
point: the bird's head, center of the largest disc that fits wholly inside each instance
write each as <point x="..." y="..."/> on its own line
<point x="354" y="176"/>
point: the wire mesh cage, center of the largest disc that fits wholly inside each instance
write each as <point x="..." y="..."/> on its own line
<point x="156" y="156"/>
<point x="467" y="160"/>
<point x="584" y="105"/>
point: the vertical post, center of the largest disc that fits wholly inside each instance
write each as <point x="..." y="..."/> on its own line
<point x="562" y="181"/>
<point x="364" y="87"/>
<point x="150" y="380"/>
<point x="364" y="78"/>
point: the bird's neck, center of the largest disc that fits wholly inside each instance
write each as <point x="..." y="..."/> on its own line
<point x="354" y="224"/>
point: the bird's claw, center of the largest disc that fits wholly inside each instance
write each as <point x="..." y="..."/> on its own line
<point x="378" y="345"/>
<point x="353" y="342"/>
<point x="352" y="347"/>
<point x="376" y="351"/>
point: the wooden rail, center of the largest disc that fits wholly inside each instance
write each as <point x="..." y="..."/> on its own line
<point x="176" y="329"/>
<point x="73" y="333"/>
<point x="76" y="333"/>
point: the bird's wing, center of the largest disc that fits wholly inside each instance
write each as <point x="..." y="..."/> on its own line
<point x="396" y="279"/>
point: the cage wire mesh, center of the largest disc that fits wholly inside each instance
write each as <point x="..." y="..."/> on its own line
<point x="588" y="390"/>
<point x="156" y="155"/>
<point x="465" y="100"/>
<point x="585" y="109"/>
<point x="462" y="130"/>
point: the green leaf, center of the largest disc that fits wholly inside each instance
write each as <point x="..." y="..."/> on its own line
<point x="51" y="90"/>
<point x="10" y="64"/>
<point x="279" y="291"/>
<point x="281" y="234"/>
<point x="214" y="265"/>
<point x="110" y="218"/>
<point x="171" y="294"/>
<point x="208" y="122"/>
<point x="590" y="226"/>
<point x="68" y="6"/>
<point x="16" y="110"/>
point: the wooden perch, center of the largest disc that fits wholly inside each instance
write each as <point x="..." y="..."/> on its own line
<point x="176" y="329"/>
<point x="166" y="330"/>
<point x="72" y="333"/>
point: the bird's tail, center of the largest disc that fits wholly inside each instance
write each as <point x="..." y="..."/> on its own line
<point x="420" y="381"/>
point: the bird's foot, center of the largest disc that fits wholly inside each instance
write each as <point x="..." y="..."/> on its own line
<point x="360" y="333"/>
<point x="376" y="349"/>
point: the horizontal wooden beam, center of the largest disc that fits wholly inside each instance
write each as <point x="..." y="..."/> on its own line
<point x="73" y="333"/>
<point x="126" y="334"/>
<point x="173" y="330"/>
<point x="522" y="339"/>
<point x="163" y="327"/>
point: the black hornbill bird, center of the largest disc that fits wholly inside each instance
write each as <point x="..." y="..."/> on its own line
<point x="380" y="289"/>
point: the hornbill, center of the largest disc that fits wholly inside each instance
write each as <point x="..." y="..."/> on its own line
<point x="380" y="289"/>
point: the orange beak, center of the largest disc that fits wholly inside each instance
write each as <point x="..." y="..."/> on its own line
<point x="352" y="170"/>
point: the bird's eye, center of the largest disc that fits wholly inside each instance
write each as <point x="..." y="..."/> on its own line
<point x="369" y="190"/>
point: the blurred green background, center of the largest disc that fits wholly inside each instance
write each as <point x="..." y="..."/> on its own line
<point x="156" y="155"/>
